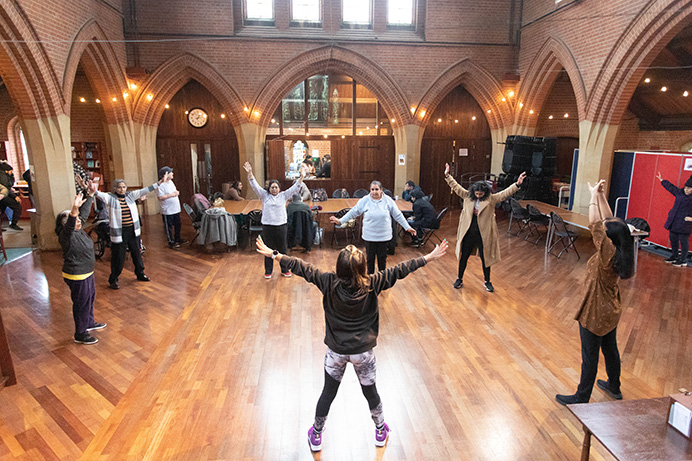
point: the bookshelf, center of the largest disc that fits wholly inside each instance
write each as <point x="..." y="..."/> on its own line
<point x="88" y="155"/>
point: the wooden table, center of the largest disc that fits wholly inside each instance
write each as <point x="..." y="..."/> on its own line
<point x="329" y="206"/>
<point x="574" y="219"/>
<point x="632" y="429"/>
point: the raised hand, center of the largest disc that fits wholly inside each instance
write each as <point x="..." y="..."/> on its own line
<point x="80" y="181"/>
<point x="597" y="188"/>
<point x="248" y="167"/>
<point x="521" y="178"/>
<point x="262" y="248"/>
<point x="78" y="201"/>
<point x="446" y="169"/>
<point x="438" y="252"/>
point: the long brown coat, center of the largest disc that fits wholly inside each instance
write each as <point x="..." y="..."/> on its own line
<point x="486" y="219"/>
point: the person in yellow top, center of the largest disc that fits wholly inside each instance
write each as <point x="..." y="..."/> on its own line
<point x="477" y="227"/>
<point x="600" y="309"/>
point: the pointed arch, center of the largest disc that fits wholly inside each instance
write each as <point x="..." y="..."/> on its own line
<point x="553" y="56"/>
<point x="485" y="89"/>
<point x="26" y="70"/>
<point x="105" y="74"/>
<point x="655" y="25"/>
<point x="171" y="76"/>
<point x="336" y="59"/>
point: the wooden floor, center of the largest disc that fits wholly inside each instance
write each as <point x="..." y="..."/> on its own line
<point x="211" y="361"/>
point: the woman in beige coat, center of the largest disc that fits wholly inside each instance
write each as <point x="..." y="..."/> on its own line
<point x="477" y="227"/>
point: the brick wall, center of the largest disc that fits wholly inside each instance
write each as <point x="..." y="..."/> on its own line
<point x="631" y="138"/>
<point x="7" y="112"/>
<point x="560" y="101"/>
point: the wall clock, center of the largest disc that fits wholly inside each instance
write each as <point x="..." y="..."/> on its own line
<point x="197" y="117"/>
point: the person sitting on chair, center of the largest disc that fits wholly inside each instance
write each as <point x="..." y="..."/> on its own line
<point x="10" y="199"/>
<point x="424" y="216"/>
<point x="326" y="170"/>
<point x="409" y="189"/>
<point x="234" y="191"/>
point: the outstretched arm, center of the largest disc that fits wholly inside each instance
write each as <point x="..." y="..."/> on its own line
<point x="596" y="213"/>
<point x="296" y="265"/>
<point x="456" y="188"/>
<point x="387" y="278"/>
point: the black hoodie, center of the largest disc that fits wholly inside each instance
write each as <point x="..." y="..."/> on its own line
<point x="351" y="315"/>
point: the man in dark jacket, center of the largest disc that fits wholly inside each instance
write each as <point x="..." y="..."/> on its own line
<point x="10" y="200"/>
<point x="409" y="189"/>
<point x="679" y="222"/>
<point x="424" y="216"/>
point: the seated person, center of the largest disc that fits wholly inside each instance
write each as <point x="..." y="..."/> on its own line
<point x="408" y="190"/>
<point x="8" y="197"/>
<point x="309" y="166"/>
<point x="304" y="192"/>
<point x="326" y="170"/>
<point x="301" y="227"/>
<point x="424" y="216"/>
<point x="234" y="191"/>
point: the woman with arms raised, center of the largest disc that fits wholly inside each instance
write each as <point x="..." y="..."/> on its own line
<point x="274" y="216"/>
<point x="600" y="310"/>
<point x="351" y="315"/>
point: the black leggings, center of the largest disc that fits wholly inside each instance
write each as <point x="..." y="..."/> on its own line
<point x="591" y="344"/>
<point x="683" y="242"/>
<point x="376" y="250"/>
<point x="275" y="238"/>
<point x="471" y="241"/>
<point x="331" y="386"/>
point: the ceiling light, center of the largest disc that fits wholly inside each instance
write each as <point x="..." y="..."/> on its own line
<point x="504" y="99"/>
<point x="246" y="109"/>
<point x="126" y="94"/>
<point x="325" y="136"/>
<point x="393" y="120"/>
<point x="488" y="111"/>
<point x="223" y="115"/>
<point x="456" y="121"/>
<point x="439" y="120"/>
<point x="82" y="100"/>
<point x="647" y="80"/>
<point x="530" y="111"/>
<point x="521" y="104"/>
<point x="685" y="94"/>
<point x="133" y="86"/>
<point x="98" y="101"/>
<point x="186" y="112"/>
<point x="413" y="109"/>
<point x="422" y="113"/>
<point x="473" y="118"/>
<point x="360" y="133"/>
<point x="167" y="106"/>
<point x="566" y="115"/>
<point x="550" y="117"/>
<point x="150" y="97"/>
<point x="510" y="94"/>
<point x="664" y="88"/>
<point x="257" y="114"/>
<point x="273" y="120"/>
<point x="115" y="99"/>
<point x="343" y="137"/>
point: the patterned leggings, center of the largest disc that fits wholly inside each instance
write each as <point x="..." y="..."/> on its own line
<point x="365" y="366"/>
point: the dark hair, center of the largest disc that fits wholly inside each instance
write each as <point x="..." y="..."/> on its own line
<point x="619" y="233"/>
<point x="417" y="194"/>
<point x="410" y="183"/>
<point x="480" y="186"/>
<point x="60" y="221"/>
<point x="296" y="198"/>
<point x="351" y="268"/>
<point x="164" y="170"/>
<point x="273" y="181"/>
<point x="234" y="184"/>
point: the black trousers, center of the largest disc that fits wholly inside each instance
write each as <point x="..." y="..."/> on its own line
<point x="275" y="238"/>
<point x="14" y="205"/>
<point x="376" y="250"/>
<point x="131" y="242"/>
<point x="682" y="240"/>
<point x="171" y="222"/>
<point x="83" y="293"/>
<point x="590" y="346"/>
<point x="471" y="241"/>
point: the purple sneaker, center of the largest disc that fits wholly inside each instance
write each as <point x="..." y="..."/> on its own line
<point x="314" y="439"/>
<point x="381" y="436"/>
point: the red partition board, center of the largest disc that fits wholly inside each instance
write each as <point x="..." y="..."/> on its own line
<point x="641" y="186"/>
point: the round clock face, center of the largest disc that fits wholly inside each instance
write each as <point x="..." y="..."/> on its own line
<point x="197" y="117"/>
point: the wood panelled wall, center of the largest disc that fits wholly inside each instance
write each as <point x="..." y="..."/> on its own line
<point x="443" y="139"/>
<point x="175" y="135"/>
<point x="356" y="161"/>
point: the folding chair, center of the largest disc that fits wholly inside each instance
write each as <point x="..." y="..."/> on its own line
<point x="566" y="236"/>
<point x="520" y="217"/>
<point x="347" y="227"/>
<point x="196" y="221"/>
<point x="536" y="219"/>
<point x="360" y="193"/>
<point x="254" y="224"/>
<point x="430" y="232"/>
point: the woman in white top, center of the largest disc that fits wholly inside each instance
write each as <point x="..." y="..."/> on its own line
<point x="377" y="210"/>
<point x="274" y="217"/>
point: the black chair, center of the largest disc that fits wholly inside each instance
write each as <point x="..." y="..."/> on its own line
<point x="520" y="216"/>
<point x="360" y="193"/>
<point x="430" y="232"/>
<point x="566" y="236"/>
<point x="216" y="196"/>
<point x="428" y="197"/>
<point x="536" y="220"/>
<point x="388" y="193"/>
<point x="340" y="193"/>
<point x="196" y="221"/>
<point x="254" y="224"/>
<point x="347" y="227"/>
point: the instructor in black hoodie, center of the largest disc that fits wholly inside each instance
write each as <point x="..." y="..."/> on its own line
<point x="352" y="323"/>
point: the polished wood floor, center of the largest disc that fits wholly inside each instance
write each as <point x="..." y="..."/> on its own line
<point x="211" y="361"/>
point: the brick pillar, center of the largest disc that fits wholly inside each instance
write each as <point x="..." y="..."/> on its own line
<point x="251" y="149"/>
<point x="407" y="141"/>
<point x="596" y="144"/>
<point x="48" y="143"/>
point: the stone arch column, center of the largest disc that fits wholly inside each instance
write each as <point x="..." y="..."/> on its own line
<point x="156" y="91"/>
<point x="553" y="56"/>
<point x="656" y="24"/>
<point x="487" y="91"/>
<point x="107" y="78"/>
<point x="37" y="98"/>
<point x="344" y="61"/>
